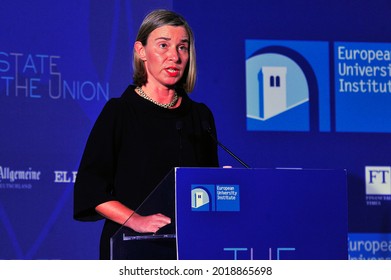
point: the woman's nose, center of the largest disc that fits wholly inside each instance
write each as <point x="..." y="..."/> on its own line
<point x="174" y="55"/>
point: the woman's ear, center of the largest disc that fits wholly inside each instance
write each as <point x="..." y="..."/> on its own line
<point x="140" y="50"/>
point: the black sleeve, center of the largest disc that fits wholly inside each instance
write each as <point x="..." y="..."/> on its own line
<point x="95" y="177"/>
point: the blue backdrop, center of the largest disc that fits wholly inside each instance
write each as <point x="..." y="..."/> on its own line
<point x="61" y="61"/>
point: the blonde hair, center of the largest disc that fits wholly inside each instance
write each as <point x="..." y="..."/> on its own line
<point x="156" y="19"/>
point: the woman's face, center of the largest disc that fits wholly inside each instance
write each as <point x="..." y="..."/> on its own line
<point x="166" y="55"/>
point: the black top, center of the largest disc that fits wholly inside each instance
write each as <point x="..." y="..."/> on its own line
<point x="132" y="146"/>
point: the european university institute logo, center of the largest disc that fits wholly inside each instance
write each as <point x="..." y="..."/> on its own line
<point x="282" y="79"/>
<point x="288" y="86"/>
<point x="215" y="198"/>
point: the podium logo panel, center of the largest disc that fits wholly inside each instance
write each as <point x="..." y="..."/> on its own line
<point x="208" y="197"/>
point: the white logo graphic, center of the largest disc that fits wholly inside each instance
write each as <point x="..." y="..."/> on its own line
<point x="273" y="89"/>
<point x="378" y="180"/>
<point x="199" y="197"/>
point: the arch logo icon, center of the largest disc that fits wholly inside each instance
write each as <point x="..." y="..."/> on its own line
<point x="287" y="85"/>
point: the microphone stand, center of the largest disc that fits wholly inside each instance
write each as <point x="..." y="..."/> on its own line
<point x="226" y="149"/>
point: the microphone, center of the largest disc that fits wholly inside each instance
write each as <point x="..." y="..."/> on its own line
<point x="179" y="127"/>
<point x="207" y="128"/>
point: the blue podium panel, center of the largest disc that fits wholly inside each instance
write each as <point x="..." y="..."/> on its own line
<point x="261" y="214"/>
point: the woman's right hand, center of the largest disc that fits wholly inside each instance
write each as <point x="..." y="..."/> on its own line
<point x="119" y="213"/>
<point x="147" y="224"/>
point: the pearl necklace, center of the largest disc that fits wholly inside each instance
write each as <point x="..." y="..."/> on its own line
<point x="169" y="105"/>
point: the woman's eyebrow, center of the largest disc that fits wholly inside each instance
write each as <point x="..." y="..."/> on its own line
<point x="185" y="40"/>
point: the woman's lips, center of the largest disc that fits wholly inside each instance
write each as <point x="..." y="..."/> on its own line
<point x="172" y="72"/>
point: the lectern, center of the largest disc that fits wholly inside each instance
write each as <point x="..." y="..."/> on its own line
<point x="243" y="214"/>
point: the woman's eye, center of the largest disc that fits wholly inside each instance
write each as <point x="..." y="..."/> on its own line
<point x="183" y="48"/>
<point x="163" y="45"/>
